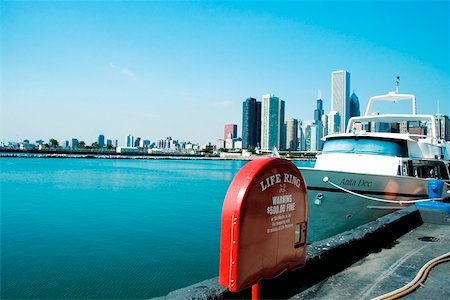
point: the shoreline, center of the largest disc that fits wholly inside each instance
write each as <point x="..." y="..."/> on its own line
<point x="136" y="156"/>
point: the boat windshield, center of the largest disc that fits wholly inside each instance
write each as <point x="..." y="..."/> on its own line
<point x="366" y="146"/>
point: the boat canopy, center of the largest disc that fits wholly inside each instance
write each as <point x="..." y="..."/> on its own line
<point x="391" y="97"/>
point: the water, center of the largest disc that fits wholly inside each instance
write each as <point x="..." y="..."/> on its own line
<point x="109" y="228"/>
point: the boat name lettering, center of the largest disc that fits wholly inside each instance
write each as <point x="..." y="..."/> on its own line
<point x="277" y="178"/>
<point x="356" y="182"/>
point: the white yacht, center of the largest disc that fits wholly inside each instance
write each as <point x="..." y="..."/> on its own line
<point x="381" y="163"/>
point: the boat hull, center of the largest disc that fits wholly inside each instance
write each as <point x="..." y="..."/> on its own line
<point x="330" y="205"/>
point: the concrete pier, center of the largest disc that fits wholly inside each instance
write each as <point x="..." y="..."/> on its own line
<point x="362" y="263"/>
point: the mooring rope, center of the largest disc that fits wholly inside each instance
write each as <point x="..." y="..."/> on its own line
<point x="417" y="281"/>
<point x="401" y="202"/>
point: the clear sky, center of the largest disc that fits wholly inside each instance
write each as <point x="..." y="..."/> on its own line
<point x="182" y="69"/>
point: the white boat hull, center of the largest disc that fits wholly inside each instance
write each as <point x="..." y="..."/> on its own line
<point x="346" y="211"/>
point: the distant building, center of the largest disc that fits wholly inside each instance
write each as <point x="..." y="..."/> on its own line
<point x="325" y="125"/>
<point x="340" y="96"/>
<point x="127" y="149"/>
<point x="230" y="129"/>
<point x="354" y="106"/>
<point x="334" y="122"/>
<point x="318" y="117"/>
<point x="101" y="141"/>
<point x="443" y="126"/>
<point x="291" y="134"/>
<point x="220" y="144"/>
<point x="251" y="123"/>
<point x="272" y="123"/>
<point x="301" y="137"/>
<point x="130" y="140"/>
<point x="238" y="144"/>
<point x="74" y="143"/>
<point x="109" y="143"/>
<point x="318" y="112"/>
<point x="137" y="142"/>
<point x="146" y="143"/>
<point x="312" y="137"/>
<point x="229" y="142"/>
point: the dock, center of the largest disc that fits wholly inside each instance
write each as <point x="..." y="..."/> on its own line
<point x="362" y="263"/>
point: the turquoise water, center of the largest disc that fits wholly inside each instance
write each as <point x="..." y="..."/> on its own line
<point x="109" y="228"/>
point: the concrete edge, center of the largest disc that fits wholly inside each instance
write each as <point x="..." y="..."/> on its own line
<point x="323" y="258"/>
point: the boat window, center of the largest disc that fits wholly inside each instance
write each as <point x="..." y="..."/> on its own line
<point x="366" y="146"/>
<point x="429" y="169"/>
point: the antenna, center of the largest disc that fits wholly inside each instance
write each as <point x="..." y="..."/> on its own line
<point x="397" y="82"/>
<point x="439" y="121"/>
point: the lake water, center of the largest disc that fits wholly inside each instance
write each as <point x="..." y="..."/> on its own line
<point x="109" y="228"/>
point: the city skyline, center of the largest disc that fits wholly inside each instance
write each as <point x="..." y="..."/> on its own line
<point x="80" y="69"/>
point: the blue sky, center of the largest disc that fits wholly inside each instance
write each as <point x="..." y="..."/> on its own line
<point x="183" y="69"/>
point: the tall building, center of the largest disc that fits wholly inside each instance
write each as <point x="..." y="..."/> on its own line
<point x="230" y="129"/>
<point x="325" y="125"/>
<point x="302" y="137"/>
<point x="340" y="96"/>
<point x="74" y="143"/>
<point x="130" y="140"/>
<point x="251" y="123"/>
<point x="101" y="141"/>
<point x="318" y="112"/>
<point x="313" y="137"/>
<point x="334" y="122"/>
<point x="291" y="134"/>
<point x="318" y="116"/>
<point x="354" y="106"/>
<point x="443" y="126"/>
<point x="272" y="123"/>
<point x="137" y="142"/>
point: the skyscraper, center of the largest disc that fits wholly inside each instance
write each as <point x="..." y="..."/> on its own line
<point x="101" y="141"/>
<point x="318" y="112"/>
<point x="74" y="143"/>
<point x="318" y="115"/>
<point x="443" y="126"/>
<point x="354" y="106"/>
<point x="230" y="129"/>
<point x="130" y="140"/>
<point x="325" y="124"/>
<point x="302" y="136"/>
<point x="340" y="96"/>
<point x="291" y="134"/>
<point x="251" y="123"/>
<point x="272" y="122"/>
<point x="334" y="122"/>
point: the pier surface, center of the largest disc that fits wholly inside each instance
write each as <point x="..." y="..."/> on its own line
<point x="362" y="263"/>
<point x="391" y="268"/>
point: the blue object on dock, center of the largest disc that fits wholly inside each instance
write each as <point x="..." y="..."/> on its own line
<point x="437" y="205"/>
<point x="435" y="187"/>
